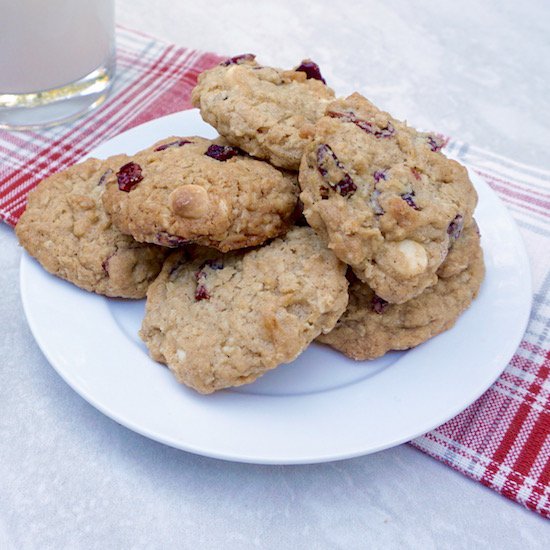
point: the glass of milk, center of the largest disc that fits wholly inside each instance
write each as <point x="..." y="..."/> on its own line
<point x="57" y="60"/>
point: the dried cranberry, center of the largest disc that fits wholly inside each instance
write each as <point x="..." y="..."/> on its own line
<point x="105" y="175"/>
<point x="201" y="293"/>
<point x="347" y="116"/>
<point x="172" y="241"/>
<point x="311" y="69"/>
<point x="129" y="176"/>
<point x="379" y="175"/>
<point x="386" y="132"/>
<point x="346" y="186"/>
<point x="325" y="158"/>
<point x="416" y="173"/>
<point x="378" y="304"/>
<point x="455" y="227"/>
<point x="222" y="152"/>
<point x="238" y="59"/>
<point x="435" y="143"/>
<point x="178" y="143"/>
<point x="368" y="127"/>
<point x="409" y="199"/>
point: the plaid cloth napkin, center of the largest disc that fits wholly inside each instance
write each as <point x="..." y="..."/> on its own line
<point x="502" y="440"/>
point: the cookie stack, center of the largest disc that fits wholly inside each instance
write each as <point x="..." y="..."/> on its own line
<point x="238" y="281"/>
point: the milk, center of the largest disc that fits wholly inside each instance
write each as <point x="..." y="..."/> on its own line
<point x="47" y="44"/>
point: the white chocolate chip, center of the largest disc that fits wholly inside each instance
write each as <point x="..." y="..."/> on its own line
<point x="413" y="258"/>
<point x="234" y="75"/>
<point x="189" y="201"/>
<point x="181" y="355"/>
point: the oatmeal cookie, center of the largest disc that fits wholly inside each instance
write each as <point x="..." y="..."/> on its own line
<point x="66" y="228"/>
<point x="383" y="197"/>
<point x="370" y="327"/>
<point x="460" y="252"/>
<point x="194" y="190"/>
<point x="224" y="320"/>
<point x="267" y="112"/>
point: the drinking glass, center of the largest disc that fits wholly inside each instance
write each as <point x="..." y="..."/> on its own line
<point x="57" y="60"/>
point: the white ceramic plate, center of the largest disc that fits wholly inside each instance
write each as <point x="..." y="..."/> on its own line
<point x="321" y="407"/>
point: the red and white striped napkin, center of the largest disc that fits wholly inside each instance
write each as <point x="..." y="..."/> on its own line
<point x="503" y="439"/>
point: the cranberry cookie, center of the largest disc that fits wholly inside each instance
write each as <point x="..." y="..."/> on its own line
<point x="224" y="320"/>
<point x="370" y="327"/>
<point x="267" y="112"/>
<point x="383" y="197"/>
<point x="194" y="190"/>
<point x="66" y="228"/>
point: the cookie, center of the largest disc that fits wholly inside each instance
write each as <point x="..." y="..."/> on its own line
<point x="370" y="327"/>
<point x="265" y="111"/>
<point x="66" y="228"/>
<point x="224" y="320"/>
<point x="460" y="252"/>
<point x="383" y="197"/>
<point x="193" y="190"/>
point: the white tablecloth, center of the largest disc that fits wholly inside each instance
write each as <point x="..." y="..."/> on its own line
<point x="72" y="478"/>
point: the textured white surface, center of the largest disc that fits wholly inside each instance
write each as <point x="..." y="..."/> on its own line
<point x="72" y="478"/>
